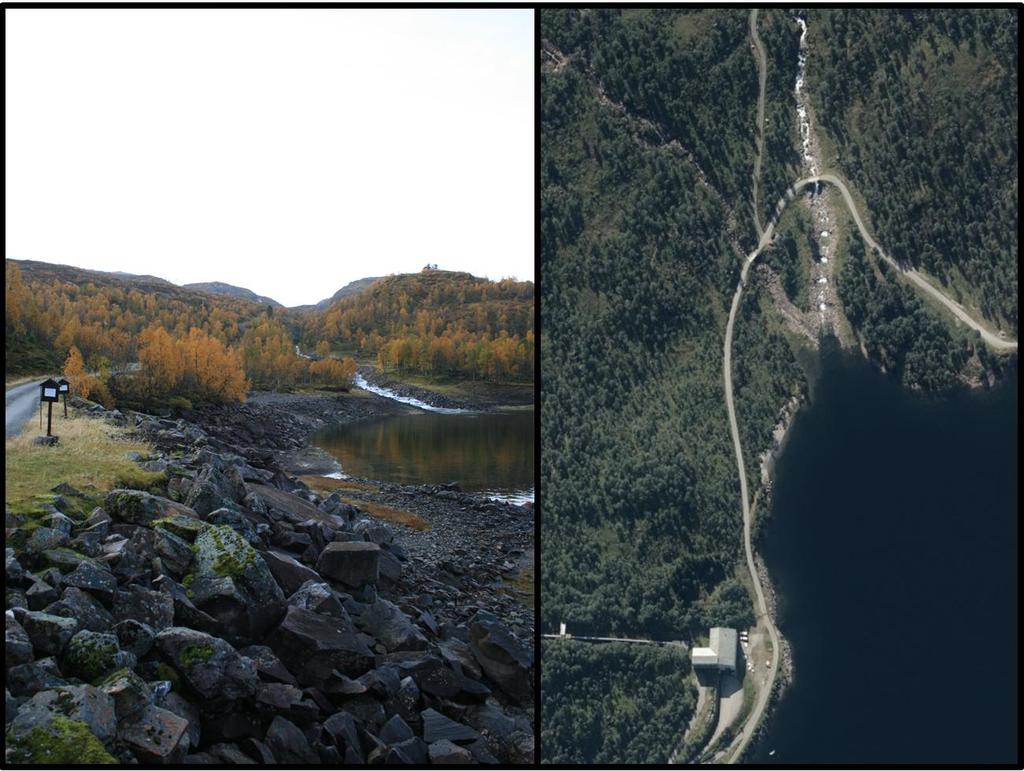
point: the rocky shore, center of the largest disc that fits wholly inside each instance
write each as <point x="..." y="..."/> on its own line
<point x="230" y="614"/>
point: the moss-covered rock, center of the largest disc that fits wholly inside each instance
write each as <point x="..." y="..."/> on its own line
<point x="142" y="508"/>
<point x="59" y="741"/>
<point x="210" y="666"/>
<point x="231" y="582"/>
<point x="92" y="655"/>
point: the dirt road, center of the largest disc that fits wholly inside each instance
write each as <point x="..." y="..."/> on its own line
<point x="21" y="404"/>
<point x="914" y="276"/>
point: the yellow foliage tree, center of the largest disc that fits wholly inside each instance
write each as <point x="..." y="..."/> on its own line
<point x="82" y="383"/>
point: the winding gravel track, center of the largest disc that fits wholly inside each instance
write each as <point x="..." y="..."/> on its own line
<point x="914" y="276"/>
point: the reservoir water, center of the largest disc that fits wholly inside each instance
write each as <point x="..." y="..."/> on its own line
<point x="490" y="452"/>
<point x="893" y="548"/>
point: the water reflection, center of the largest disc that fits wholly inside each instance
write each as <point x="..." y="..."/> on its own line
<point x="482" y="452"/>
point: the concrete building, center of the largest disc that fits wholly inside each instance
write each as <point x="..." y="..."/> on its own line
<point x="720" y="653"/>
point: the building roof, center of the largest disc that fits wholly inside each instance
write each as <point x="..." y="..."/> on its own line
<point x="723" y="642"/>
<point x="704" y="656"/>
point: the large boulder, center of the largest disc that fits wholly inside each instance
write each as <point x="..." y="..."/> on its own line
<point x="289" y="744"/>
<point x="503" y="657"/>
<point x="130" y="693"/>
<point x="312" y="646"/>
<point x="174" y="551"/>
<point x="14" y="571"/>
<point x="18" y="644"/>
<point x="155" y="609"/>
<point x="48" y="633"/>
<point x="83" y="703"/>
<point x="213" y="489"/>
<point x="319" y="598"/>
<point x="142" y="508"/>
<point x="44" y="539"/>
<point x="289" y="572"/>
<point x="385" y="621"/>
<point x="90" y="655"/>
<point x="210" y="666"/>
<point x="353" y="563"/>
<point x="93" y="577"/>
<point x="437" y="727"/>
<point x="156" y="736"/>
<point x="445" y="753"/>
<point x="288" y="506"/>
<point x="232" y="583"/>
<point x="29" y="679"/>
<point x="83" y="608"/>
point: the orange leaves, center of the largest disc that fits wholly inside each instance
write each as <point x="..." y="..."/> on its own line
<point x="333" y="372"/>
<point x="82" y="383"/>
<point x="198" y="364"/>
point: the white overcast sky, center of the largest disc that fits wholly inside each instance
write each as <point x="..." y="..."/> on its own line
<point x="286" y="151"/>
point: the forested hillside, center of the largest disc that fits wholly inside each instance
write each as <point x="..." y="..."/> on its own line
<point x="612" y="703"/>
<point x="922" y="107"/>
<point x="642" y="522"/>
<point x="435" y="322"/>
<point x="780" y="36"/>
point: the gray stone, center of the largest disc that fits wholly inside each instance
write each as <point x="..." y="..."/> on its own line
<point x="288" y="743"/>
<point x="134" y="636"/>
<point x="174" y="551"/>
<point x="234" y="585"/>
<point x="353" y="563"/>
<point x="45" y="539"/>
<point x="155" y="609"/>
<point x="142" y="508"/>
<point x="231" y="754"/>
<point x="395" y="731"/>
<point x="29" y="679"/>
<point x="288" y="571"/>
<point x="14" y="571"/>
<point x="443" y="753"/>
<point x="385" y="621"/>
<point x="268" y="665"/>
<point x="183" y="708"/>
<point x="18" y="645"/>
<point x="82" y="607"/>
<point x="312" y="646"/>
<point x="319" y="598"/>
<point x="437" y="726"/>
<point x="130" y="693"/>
<point x="76" y="702"/>
<point x="91" y="655"/>
<point x="211" y="666"/>
<point x="157" y="736"/>
<point x="504" y="658"/>
<point x="41" y="594"/>
<point x="94" y="578"/>
<point x="48" y="633"/>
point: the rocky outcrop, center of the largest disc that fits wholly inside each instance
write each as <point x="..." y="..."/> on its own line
<point x="240" y="618"/>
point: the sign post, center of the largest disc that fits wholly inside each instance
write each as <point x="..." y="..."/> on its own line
<point x="48" y="390"/>
<point x="64" y="387"/>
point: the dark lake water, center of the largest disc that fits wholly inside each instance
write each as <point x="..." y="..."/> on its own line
<point x="482" y="452"/>
<point x="893" y="546"/>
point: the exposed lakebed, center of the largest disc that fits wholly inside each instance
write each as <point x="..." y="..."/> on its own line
<point x="482" y="452"/>
<point x="892" y="546"/>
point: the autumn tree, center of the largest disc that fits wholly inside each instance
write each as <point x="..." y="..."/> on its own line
<point x="82" y="383"/>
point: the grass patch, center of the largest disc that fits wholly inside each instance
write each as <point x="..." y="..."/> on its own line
<point x="90" y="456"/>
<point x="389" y="514"/>
<point x="329" y="484"/>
